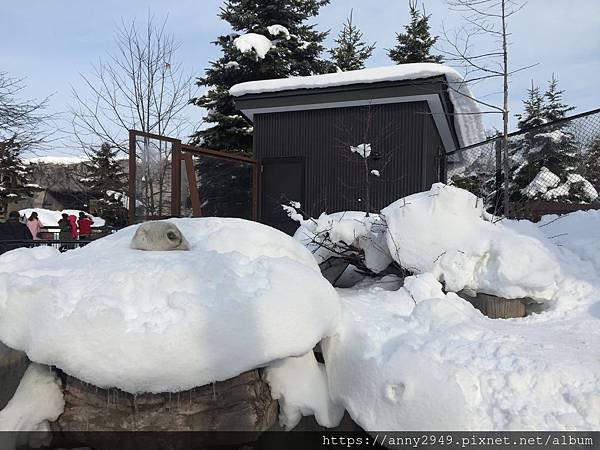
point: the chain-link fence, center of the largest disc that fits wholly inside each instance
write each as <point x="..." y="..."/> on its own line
<point x="553" y="168"/>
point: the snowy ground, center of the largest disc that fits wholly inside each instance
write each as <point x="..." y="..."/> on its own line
<point x="399" y="355"/>
<point x="416" y="358"/>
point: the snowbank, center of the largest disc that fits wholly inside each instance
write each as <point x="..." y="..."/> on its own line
<point x="244" y="296"/>
<point x="50" y="218"/>
<point x="443" y="231"/>
<point x="300" y="385"/>
<point x="468" y="120"/>
<point x="418" y="359"/>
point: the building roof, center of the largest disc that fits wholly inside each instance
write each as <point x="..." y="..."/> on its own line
<point x="465" y="111"/>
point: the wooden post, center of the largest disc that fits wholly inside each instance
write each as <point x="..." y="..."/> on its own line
<point x="192" y="184"/>
<point x="497" y="307"/>
<point x="176" y="179"/>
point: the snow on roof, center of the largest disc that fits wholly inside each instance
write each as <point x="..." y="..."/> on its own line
<point x="467" y="120"/>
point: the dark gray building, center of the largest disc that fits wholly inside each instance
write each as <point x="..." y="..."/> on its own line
<point x="304" y="129"/>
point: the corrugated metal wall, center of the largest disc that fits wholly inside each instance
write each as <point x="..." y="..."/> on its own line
<point x="405" y="148"/>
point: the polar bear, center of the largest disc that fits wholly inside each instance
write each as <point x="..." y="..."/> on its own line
<point x="159" y="236"/>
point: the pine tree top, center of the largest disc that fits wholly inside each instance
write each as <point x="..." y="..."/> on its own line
<point x="249" y="15"/>
<point x="295" y="50"/>
<point x="351" y="51"/>
<point x="416" y="42"/>
<point x="533" y="107"/>
<point x="555" y="109"/>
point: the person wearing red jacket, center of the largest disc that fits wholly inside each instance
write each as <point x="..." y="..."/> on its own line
<point x="85" y="226"/>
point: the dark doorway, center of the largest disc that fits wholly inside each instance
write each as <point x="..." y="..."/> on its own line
<point x="282" y="181"/>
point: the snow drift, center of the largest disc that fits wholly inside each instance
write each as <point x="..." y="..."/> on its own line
<point x="444" y="231"/>
<point x="419" y="359"/>
<point x="243" y="296"/>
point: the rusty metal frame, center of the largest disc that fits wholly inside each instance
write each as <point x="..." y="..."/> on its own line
<point x="182" y="153"/>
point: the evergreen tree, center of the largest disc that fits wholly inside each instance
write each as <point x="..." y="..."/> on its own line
<point x="546" y="158"/>
<point x="554" y="108"/>
<point x="415" y="43"/>
<point x="14" y="174"/>
<point x="105" y="180"/>
<point x="592" y="164"/>
<point x="270" y="40"/>
<point x="534" y="109"/>
<point x="351" y="51"/>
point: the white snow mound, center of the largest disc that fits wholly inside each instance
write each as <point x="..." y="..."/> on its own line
<point x="444" y="231"/>
<point x="253" y="42"/>
<point x="243" y="296"/>
<point x="418" y="359"/>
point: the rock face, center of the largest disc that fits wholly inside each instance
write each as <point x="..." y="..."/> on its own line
<point x="242" y="403"/>
<point x="159" y="236"/>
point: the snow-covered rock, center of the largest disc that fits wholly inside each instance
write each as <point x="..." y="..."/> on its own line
<point x="444" y="231"/>
<point x="243" y="296"/>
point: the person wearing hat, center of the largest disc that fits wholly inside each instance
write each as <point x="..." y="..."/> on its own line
<point x="13" y="230"/>
<point x="85" y="226"/>
<point x="65" y="228"/>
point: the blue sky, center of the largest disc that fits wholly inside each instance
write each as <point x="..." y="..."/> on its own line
<point x="51" y="43"/>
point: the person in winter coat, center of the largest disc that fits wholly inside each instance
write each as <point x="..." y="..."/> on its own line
<point x="34" y="225"/>
<point x="73" y="222"/>
<point x="13" y="230"/>
<point x="85" y="226"/>
<point x="65" y="228"/>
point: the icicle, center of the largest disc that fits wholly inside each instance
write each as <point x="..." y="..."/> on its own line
<point x="107" y="398"/>
<point x="169" y="408"/>
<point x="190" y="398"/>
<point x="178" y="400"/>
<point x="134" y="411"/>
<point x="214" y="391"/>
